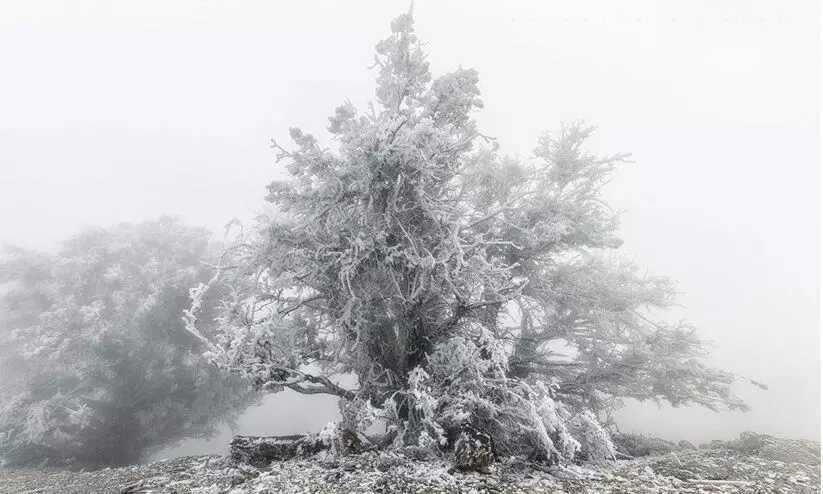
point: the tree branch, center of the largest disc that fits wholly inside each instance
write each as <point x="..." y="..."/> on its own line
<point x="281" y="375"/>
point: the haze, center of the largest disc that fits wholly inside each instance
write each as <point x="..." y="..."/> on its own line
<point x="123" y="111"/>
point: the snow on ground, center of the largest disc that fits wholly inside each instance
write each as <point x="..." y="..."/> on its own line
<point x="699" y="471"/>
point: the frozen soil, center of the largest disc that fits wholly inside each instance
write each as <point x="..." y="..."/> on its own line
<point x="692" y="471"/>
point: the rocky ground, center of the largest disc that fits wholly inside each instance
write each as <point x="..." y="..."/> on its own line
<point x="725" y="467"/>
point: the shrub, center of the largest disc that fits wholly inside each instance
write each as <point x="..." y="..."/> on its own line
<point x="98" y="370"/>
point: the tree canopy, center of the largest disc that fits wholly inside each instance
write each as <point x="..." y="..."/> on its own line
<point x="96" y="367"/>
<point x="459" y="284"/>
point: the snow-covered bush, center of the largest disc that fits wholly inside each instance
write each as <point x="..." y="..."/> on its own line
<point x="96" y="367"/>
<point x="595" y="441"/>
<point x="329" y="434"/>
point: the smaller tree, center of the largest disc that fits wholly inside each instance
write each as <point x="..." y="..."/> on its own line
<point x="96" y="367"/>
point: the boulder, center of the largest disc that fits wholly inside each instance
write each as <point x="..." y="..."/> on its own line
<point x="348" y="443"/>
<point x="261" y="451"/>
<point x="473" y="450"/>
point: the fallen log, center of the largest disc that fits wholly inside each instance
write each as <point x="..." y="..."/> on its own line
<point x="134" y="488"/>
<point x="262" y="451"/>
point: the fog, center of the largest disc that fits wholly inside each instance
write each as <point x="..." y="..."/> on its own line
<point x="123" y="111"/>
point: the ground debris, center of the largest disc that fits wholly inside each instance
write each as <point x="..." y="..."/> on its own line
<point x="687" y="471"/>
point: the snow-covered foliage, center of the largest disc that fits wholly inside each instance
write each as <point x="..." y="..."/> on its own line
<point x="593" y="438"/>
<point x="683" y="472"/>
<point x="96" y="367"/>
<point x="445" y="275"/>
<point x="329" y="434"/>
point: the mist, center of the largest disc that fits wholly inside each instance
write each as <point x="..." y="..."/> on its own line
<point x="113" y="114"/>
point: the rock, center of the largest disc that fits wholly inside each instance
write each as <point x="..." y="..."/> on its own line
<point x="473" y="450"/>
<point x="343" y="441"/>
<point x="686" y="445"/>
<point x="261" y="451"/>
<point x="347" y="443"/>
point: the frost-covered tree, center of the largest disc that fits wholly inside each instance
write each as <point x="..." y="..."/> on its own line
<point x="96" y="369"/>
<point x="457" y="283"/>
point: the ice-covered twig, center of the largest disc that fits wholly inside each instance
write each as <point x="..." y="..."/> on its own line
<point x="190" y="315"/>
<point x="721" y="482"/>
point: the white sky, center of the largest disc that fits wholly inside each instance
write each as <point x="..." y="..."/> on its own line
<point x="121" y="111"/>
